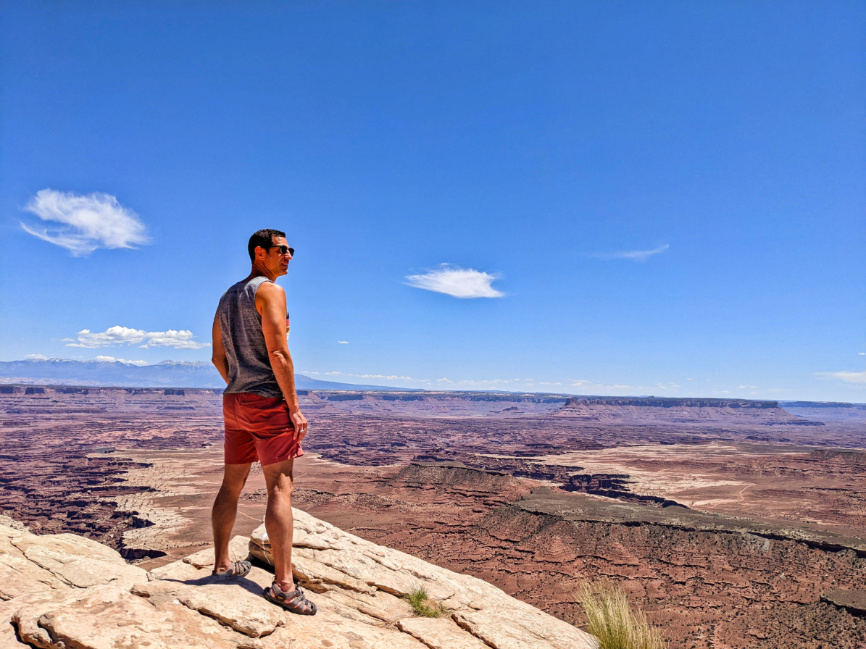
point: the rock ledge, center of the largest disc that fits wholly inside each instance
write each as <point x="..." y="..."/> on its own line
<point x="61" y="591"/>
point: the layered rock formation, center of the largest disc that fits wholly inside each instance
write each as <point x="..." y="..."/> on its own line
<point x="62" y="591"/>
<point x="654" y="409"/>
<point x="708" y="580"/>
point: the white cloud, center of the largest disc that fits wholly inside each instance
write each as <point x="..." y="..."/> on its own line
<point x="848" y="377"/>
<point x="342" y="342"/>
<point x="112" y="359"/>
<point x="182" y="339"/>
<point x="457" y="282"/>
<point x="37" y="357"/>
<point x="633" y="255"/>
<point x="861" y="353"/>
<point x="118" y="336"/>
<point x="81" y="224"/>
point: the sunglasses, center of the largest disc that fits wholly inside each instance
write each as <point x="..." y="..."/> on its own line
<point x="284" y="249"/>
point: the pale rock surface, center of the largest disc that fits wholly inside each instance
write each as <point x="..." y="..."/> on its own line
<point x="62" y="591"/>
<point x="78" y="561"/>
<point x="437" y="633"/>
<point x="375" y="579"/>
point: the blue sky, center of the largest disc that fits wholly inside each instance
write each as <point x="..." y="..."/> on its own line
<point x="595" y="198"/>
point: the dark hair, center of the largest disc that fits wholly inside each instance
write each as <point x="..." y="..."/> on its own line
<point x="263" y="238"/>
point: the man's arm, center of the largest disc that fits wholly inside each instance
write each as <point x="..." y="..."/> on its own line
<point x="218" y="357"/>
<point x="271" y="305"/>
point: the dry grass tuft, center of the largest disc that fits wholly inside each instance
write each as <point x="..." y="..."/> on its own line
<point x="613" y="622"/>
<point x="421" y="604"/>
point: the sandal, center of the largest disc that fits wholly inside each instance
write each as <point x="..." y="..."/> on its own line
<point x="238" y="569"/>
<point x="293" y="601"/>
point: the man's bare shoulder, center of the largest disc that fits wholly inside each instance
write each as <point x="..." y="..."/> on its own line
<point x="269" y="291"/>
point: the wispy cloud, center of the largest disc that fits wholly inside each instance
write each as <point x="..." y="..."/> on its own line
<point x="632" y="255"/>
<point x="36" y="357"/>
<point x="594" y="386"/>
<point x="342" y="342"/>
<point x="847" y="377"/>
<point x="81" y="224"/>
<point x="118" y="336"/>
<point x="457" y="282"/>
<point x="390" y="377"/>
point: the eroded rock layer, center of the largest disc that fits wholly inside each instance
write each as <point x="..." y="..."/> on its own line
<point x="708" y="580"/>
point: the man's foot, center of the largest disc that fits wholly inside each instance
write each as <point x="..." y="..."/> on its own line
<point x="237" y="569"/>
<point x="293" y="601"/>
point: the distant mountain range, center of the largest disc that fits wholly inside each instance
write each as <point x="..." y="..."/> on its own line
<point x="168" y="374"/>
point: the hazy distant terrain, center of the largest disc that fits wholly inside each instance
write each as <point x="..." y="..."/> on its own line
<point x="168" y="374"/>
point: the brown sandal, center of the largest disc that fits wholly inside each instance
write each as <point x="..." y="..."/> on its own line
<point x="293" y="601"/>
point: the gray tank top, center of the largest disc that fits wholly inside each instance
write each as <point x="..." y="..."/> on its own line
<point x="241" y="329"/>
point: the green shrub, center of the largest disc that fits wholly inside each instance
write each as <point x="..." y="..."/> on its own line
<point x="613" y="622"/>
<point x="421" y="604"/>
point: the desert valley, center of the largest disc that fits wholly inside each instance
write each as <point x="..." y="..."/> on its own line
<point x="731" y="523"/>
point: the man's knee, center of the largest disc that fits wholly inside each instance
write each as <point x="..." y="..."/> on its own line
<point x="282" y="487"/>
<point x="234" y="479"/>
<point x="230" y="492"/>
<point x="278" y="479"/>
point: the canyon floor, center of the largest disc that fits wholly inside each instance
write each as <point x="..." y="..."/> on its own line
<point x="732" y="524"/>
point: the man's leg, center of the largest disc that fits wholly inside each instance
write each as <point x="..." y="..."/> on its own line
<point x="278" y="519"/>
<point x="225" y="509"/>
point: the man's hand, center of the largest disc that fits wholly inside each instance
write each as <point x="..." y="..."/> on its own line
<point x="218" y="357"/>
<point x="300" y="424"/>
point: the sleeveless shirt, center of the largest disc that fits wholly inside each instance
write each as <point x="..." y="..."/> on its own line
<point x="246" y="352"/>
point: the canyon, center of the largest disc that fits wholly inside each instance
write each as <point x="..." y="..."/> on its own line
<point x="732" y="523"/>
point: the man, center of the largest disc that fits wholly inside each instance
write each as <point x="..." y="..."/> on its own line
<point x="263" y="420"/>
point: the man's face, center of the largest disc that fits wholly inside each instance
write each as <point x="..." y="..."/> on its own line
<point x="275" y="260"/>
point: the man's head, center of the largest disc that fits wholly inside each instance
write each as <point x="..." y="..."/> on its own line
<point x="268" y="249"/>
<point x="263" y="239"/>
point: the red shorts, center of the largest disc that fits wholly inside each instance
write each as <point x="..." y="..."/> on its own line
<point x="258" y="429"/>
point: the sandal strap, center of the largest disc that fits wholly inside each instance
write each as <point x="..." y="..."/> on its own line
<point x="294" y="598"/>
<point x="237" y="569"/>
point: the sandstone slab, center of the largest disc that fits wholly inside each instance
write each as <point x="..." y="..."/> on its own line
<point x="107" y="617"/>
<point x="440" y="633"/>
<point x="231" y="603"/>
<point x="851" y="600"/>
<point x="19" y="576"/>
<point x="482" y="611"/>
<point x="85" y="596"/>
<point x="77" y="561"/>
